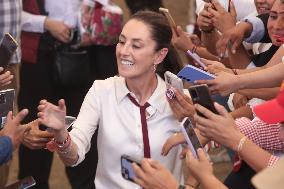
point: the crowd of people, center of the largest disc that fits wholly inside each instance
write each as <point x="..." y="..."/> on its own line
<point x="123" y="108"/>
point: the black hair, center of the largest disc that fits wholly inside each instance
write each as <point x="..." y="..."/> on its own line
<point x="160" y="29"/>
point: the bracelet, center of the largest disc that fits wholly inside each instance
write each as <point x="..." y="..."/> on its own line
<point x="192" y="186"/>
<point x="64" y="152"/>
<point x="234" y="71"/>
<point x="62" y="144"/>
<point x="241" y="144"/>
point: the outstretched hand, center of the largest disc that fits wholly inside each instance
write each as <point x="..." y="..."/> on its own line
<point x="224" y="83"/>
<point x="51" y="115"/>
<point x="152" y="175"/>
<point x="13" y="129"/>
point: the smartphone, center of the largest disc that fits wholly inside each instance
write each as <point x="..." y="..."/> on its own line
<point x="7" y="98"/>
<point x="174" y="81"/>
<point x="196" y="58"/>
<point x="191" y="74"/>
<point x="201" y="95"/>
<point x="22" y="184"/>
<point x="166" y="12"/>
<point x="190" y="136"/>
<point x="8" y="47"/>
<point x="69" y="121"/>
<point x="127" y="171"/>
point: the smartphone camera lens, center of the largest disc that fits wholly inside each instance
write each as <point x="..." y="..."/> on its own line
<point x="125" y="173"/>
<point x="193" y="95"/>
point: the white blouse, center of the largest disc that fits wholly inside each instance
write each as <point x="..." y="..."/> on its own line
<point x="107" y="107"/>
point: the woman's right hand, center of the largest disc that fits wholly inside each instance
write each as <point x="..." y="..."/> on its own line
<point x="51" y="115"/>
<point x="181" y="105"/>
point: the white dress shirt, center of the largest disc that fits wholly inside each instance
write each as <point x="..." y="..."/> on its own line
<point x="60" y="10"/>
<point x="107" y="107"/>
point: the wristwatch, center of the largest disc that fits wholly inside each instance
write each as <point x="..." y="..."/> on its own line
<point x="181" y="187"/>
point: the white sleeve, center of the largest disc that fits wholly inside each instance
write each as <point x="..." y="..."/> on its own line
<point x="90" y="3"/>
<point x="86" y="124"/>
<point x="258" y="29"/>
<point x="32" y="23"/>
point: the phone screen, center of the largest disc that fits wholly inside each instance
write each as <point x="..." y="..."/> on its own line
<point x="127" y="170"/>
<point x="24" y="183"/>
<point x="190" y="136"/>
<point x="69" y="121"/>
<point x="7" y="49"/>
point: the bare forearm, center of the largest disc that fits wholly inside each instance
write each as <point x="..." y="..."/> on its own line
<point x="71" y="156"/>
<point x="263" y="93"/>
<point x="256" y="157"/>
<point x="212" y="182"/>
<point x="240" y="59"/>
<point x="270" y="77"/>
<point x="210" y="38"/>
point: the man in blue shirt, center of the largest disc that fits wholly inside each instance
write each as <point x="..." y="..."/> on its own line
<point x="12" y="134"/>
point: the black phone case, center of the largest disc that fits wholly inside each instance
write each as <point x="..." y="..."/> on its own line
<point x="201" y="95"/>
<point x="8" y="47"/>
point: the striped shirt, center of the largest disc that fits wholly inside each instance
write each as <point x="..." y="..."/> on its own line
<point x="10" y="22"/>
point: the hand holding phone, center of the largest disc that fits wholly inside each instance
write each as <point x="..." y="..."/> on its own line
<point x="127" y="170"/>
<point x="173" y="80"/>
<point x="8" y="47"/>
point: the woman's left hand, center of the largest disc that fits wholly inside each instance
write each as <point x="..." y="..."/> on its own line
<point x="181" y="105"/>
<point x="152" y="175"/>
<point x="220" y="128"/>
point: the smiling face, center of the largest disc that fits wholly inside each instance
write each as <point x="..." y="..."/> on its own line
<point x="136" y="51"/>
<point x="263" y="6"/>
<point x="275" y="23"/>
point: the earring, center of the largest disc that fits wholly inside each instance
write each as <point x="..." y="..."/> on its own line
<point x="155" y="67"/>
